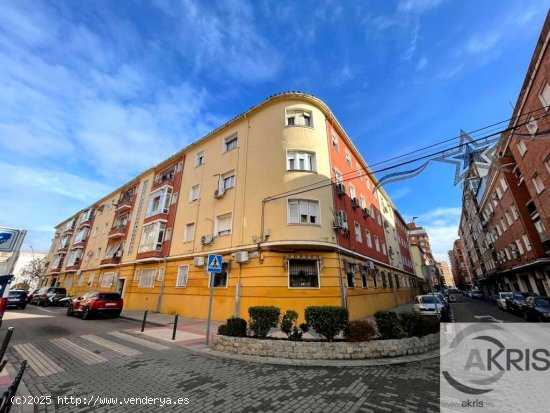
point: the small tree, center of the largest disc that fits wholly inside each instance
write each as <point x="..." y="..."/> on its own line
<point x="262" y="319"/>
<point x="289" y="327"/>
<point x="33" y="270"/>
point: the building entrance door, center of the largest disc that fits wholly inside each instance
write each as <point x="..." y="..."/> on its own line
<point x="121" y="286"/>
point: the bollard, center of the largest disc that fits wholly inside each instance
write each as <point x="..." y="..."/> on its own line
<point x="144" y="320"/>
<point x="7" y="339"/>
<point x="175" y="327"/>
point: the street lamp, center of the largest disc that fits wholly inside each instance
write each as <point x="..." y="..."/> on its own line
<point x="32" y="250"/>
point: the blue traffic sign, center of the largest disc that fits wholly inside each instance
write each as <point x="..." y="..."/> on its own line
<point x="8" y="239"/>
<point x="214" y="263"/>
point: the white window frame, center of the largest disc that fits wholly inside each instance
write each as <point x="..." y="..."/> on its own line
<point x="147" y="278"/>
<point x="305" y="287"/>
<point x="301" y="117"/>
<point x="227" y="180"/>
<point x="155" y="243"/>
<point x="91" y="279"/>
<point x="348" y="158"/>
<point x="164" y="195"/>
<point x="228" y="145"/>
<point x="547" y="164"/>
<point x="219" y="219"/>
<point x="358" y="235"/>
<point x="295" y="156"/>
<point x="352" y="193"/>
<point x="545" y="100"/>
<point x="160" y="274"/>
<point x="183" y="277"/>
<point x="189" y="232"/>
<point x="107" y="279"/>
<point x="195" y="192"/>
<point x="363" y="202"/>
<point x="532" y="126"/>
<point x="335" y="143"/>
<point x="376" y="243"/>
<point x="527" y="243"/>
<point x="520" y="247"/>
<point x="199" y="158"/>
<point x="137" y="273"/>
<point x="368" y="237"/>
<point x="384" y="249"/>
<point x="310" y="204"/>
<point x="522" y="148"/>
<point x="538" y="183"/>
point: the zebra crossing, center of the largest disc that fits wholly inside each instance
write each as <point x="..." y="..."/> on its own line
<point x="60" y="354"/>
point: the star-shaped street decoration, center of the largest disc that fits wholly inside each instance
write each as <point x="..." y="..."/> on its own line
<point x="467" y="153"/>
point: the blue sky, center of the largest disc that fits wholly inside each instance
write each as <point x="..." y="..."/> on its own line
<point x="93" y="93"/>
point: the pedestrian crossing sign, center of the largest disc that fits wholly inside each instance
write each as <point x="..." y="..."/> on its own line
<point x="214" y="263"/>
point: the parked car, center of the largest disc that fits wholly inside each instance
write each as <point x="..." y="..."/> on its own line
<point x="94" y="303"/>
<point x="17" y="299"/>
<point x="429" y="305"/>
<point x="443" y="299"/>
<point x="515" y="301"/>
<point x="537" y="308"/>
<point x="477" y="294"/>
<point x="49" y="296"/>
<point x="501" y="299"/>
<point x="31" y="295"/>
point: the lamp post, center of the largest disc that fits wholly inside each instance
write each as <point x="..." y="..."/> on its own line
<point x="32" y="251"/>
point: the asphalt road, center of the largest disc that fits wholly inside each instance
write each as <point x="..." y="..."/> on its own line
<point x="472" y="310"/>
<point x="101" y="361"/>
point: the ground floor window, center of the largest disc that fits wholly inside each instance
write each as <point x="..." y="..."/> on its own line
<point x="220" y="279"/>
<point x="351" y="280"/>
<point x="303" y="273"/>
<point x="365" y="278"/>
<point x="396" y="281"/>
<point x="375" y="279"/>
<point x="384" y="284"/>
<point x="147" y="278"/>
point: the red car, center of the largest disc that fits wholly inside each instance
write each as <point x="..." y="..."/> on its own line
<point x="96" y="303"/>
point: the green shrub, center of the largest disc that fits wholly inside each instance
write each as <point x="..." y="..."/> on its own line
<point x="262" y="319"/>
<point x="221" y="330"/>
<point x="327" y="320"/>
<point x="413" y="324"/>
<point x="289" y="327"/>
<point x="235" y="327"/>
<point x="304" y="327"/>
<point x="388" y="325"/>
<point x="360" y="330"/>
<point x="432" y="325"/>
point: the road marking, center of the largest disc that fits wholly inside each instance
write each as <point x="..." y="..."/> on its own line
<point x="119" y="348"/>
<point x="87" y="356"/>
<point x="43" y="309"/>
<point x="489" y="318"/>
<point x="138" y="340"/>
<point x="40" y="363"/>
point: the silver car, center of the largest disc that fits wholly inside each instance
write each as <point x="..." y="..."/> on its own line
<point x="429" y="305"/>
<point x="501" y="299"/>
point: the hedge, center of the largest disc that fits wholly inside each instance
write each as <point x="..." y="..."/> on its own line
<point x="262" y="319"/>
<point x="327" y="320"/>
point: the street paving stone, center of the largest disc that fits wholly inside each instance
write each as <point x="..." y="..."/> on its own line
<point x="220" y="385"/>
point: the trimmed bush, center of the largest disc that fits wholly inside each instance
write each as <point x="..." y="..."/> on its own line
<point x="221" y="330"/>
<point x="413" y="324"/>
<point x="262" y="319"/>
<point x="360" y="330"/>
<point x="388" y="324"/>
<point x="235" y="327"/>
<point x="327" y="320"/>
<point x="288" y="326"/>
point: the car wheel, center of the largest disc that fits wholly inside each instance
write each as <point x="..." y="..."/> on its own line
<point x="86" y="313"/>
<point x="116" y="315"/>
<point x="70" y="311"/>
<point x="46" y="303"/>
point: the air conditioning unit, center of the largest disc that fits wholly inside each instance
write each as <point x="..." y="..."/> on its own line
<point x="354" y="202"/>
<point x="219" y="193"/>
<point x="241" y="256"/>
<point x="365" y="212"/>
<point x="198" y="261"/>
<point x="340" y="188"/>
<point x="90" y="253"/>
<point x="341" y="221"/>
<point x="207" y="239"/>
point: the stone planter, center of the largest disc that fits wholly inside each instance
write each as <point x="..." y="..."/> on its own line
<point x="304" y="350"/>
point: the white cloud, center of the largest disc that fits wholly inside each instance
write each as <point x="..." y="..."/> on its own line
<point x="417" y="6"/>
<point x="400" y="193"/>
<point x="482" y="42"/>
<point x="442" y="227"/>
<point x="421" y="64"/>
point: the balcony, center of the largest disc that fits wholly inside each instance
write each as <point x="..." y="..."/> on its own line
<point x="117" y="231"/>
<point x="126" y="202"/>
<point x="112" y="261"/>
<point x="73" y="266"/>
<point x="165" y="177"/>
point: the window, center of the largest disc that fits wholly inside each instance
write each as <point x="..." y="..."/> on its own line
<point x="547" y="164"/>
<point x="379" y="218"/>
<point x="396" y="280"/>
<point x="532" y="126"/>
<point x="358" y="236"/>
<point x="335" y="144"/>
<point x="74" y="257"/>
<point x="136" y="275"/>
<point x="230" y="143"/>
<point x="114" y="250"/>
<point x="350" y="279"/>
<point x="152" y="237"/>
<point x="298" y="117"/>
<point x="223" y="224"/>
<point x="508" y="218"/>
<point x="540" y="229"/>
<point x="375" y="279"/>
<point x="303" y="273"/>
<point x="351" y="191"/>
<point x="520" y="247"/>
<point x="107" y="280"/>
<point x="189" y="233"/>
<point x="91" y="279"/>
<point x="147" y="279"/>
<point x="544" y="96"/>
<point x="183" y="274"/>
<point x="303" y="212"/>
<point x="364" y="277"/>
<point x="498" y="192"/>
<point x="338" y="177"/>
<point x="390" y="280"/>
<point x="348" y="158"/>
<point x="362" y="202"/>
<point x="503" y="224"/>
<point x="521" y="147"/>
<point x="368" y="238"/>
<point x="527" y="243"/>
<point x="515" y="212"/>
<point x="537" y="181"/>
<point x="199" y="158"/>
<point x="384" y="283"/>
<point x="159" y="201"/>
<point x="300" y="161"/>
<point x="372" y="211"/>
<point x="377" y="244"/>
<point x="81" y="281"/>
<point x="161" y="273"/>
<point x="227" y="181"/>
<point x="384" y="251"/>
<point x="65" y="241"/>
<point x="359" y="172"/>
<point x="220" y="279"/>
<point x="368" y="183"/>
<point x="194" y="194"/>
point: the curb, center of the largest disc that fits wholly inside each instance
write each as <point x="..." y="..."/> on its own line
<point x="315" y="363"/>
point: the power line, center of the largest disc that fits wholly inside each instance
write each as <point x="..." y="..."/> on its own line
<point x="322" y="184"/>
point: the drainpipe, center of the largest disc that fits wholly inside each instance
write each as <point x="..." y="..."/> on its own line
<point x="161" y="291"/>
<point x="238" y="294"/>
<point x="343" y="295"/>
